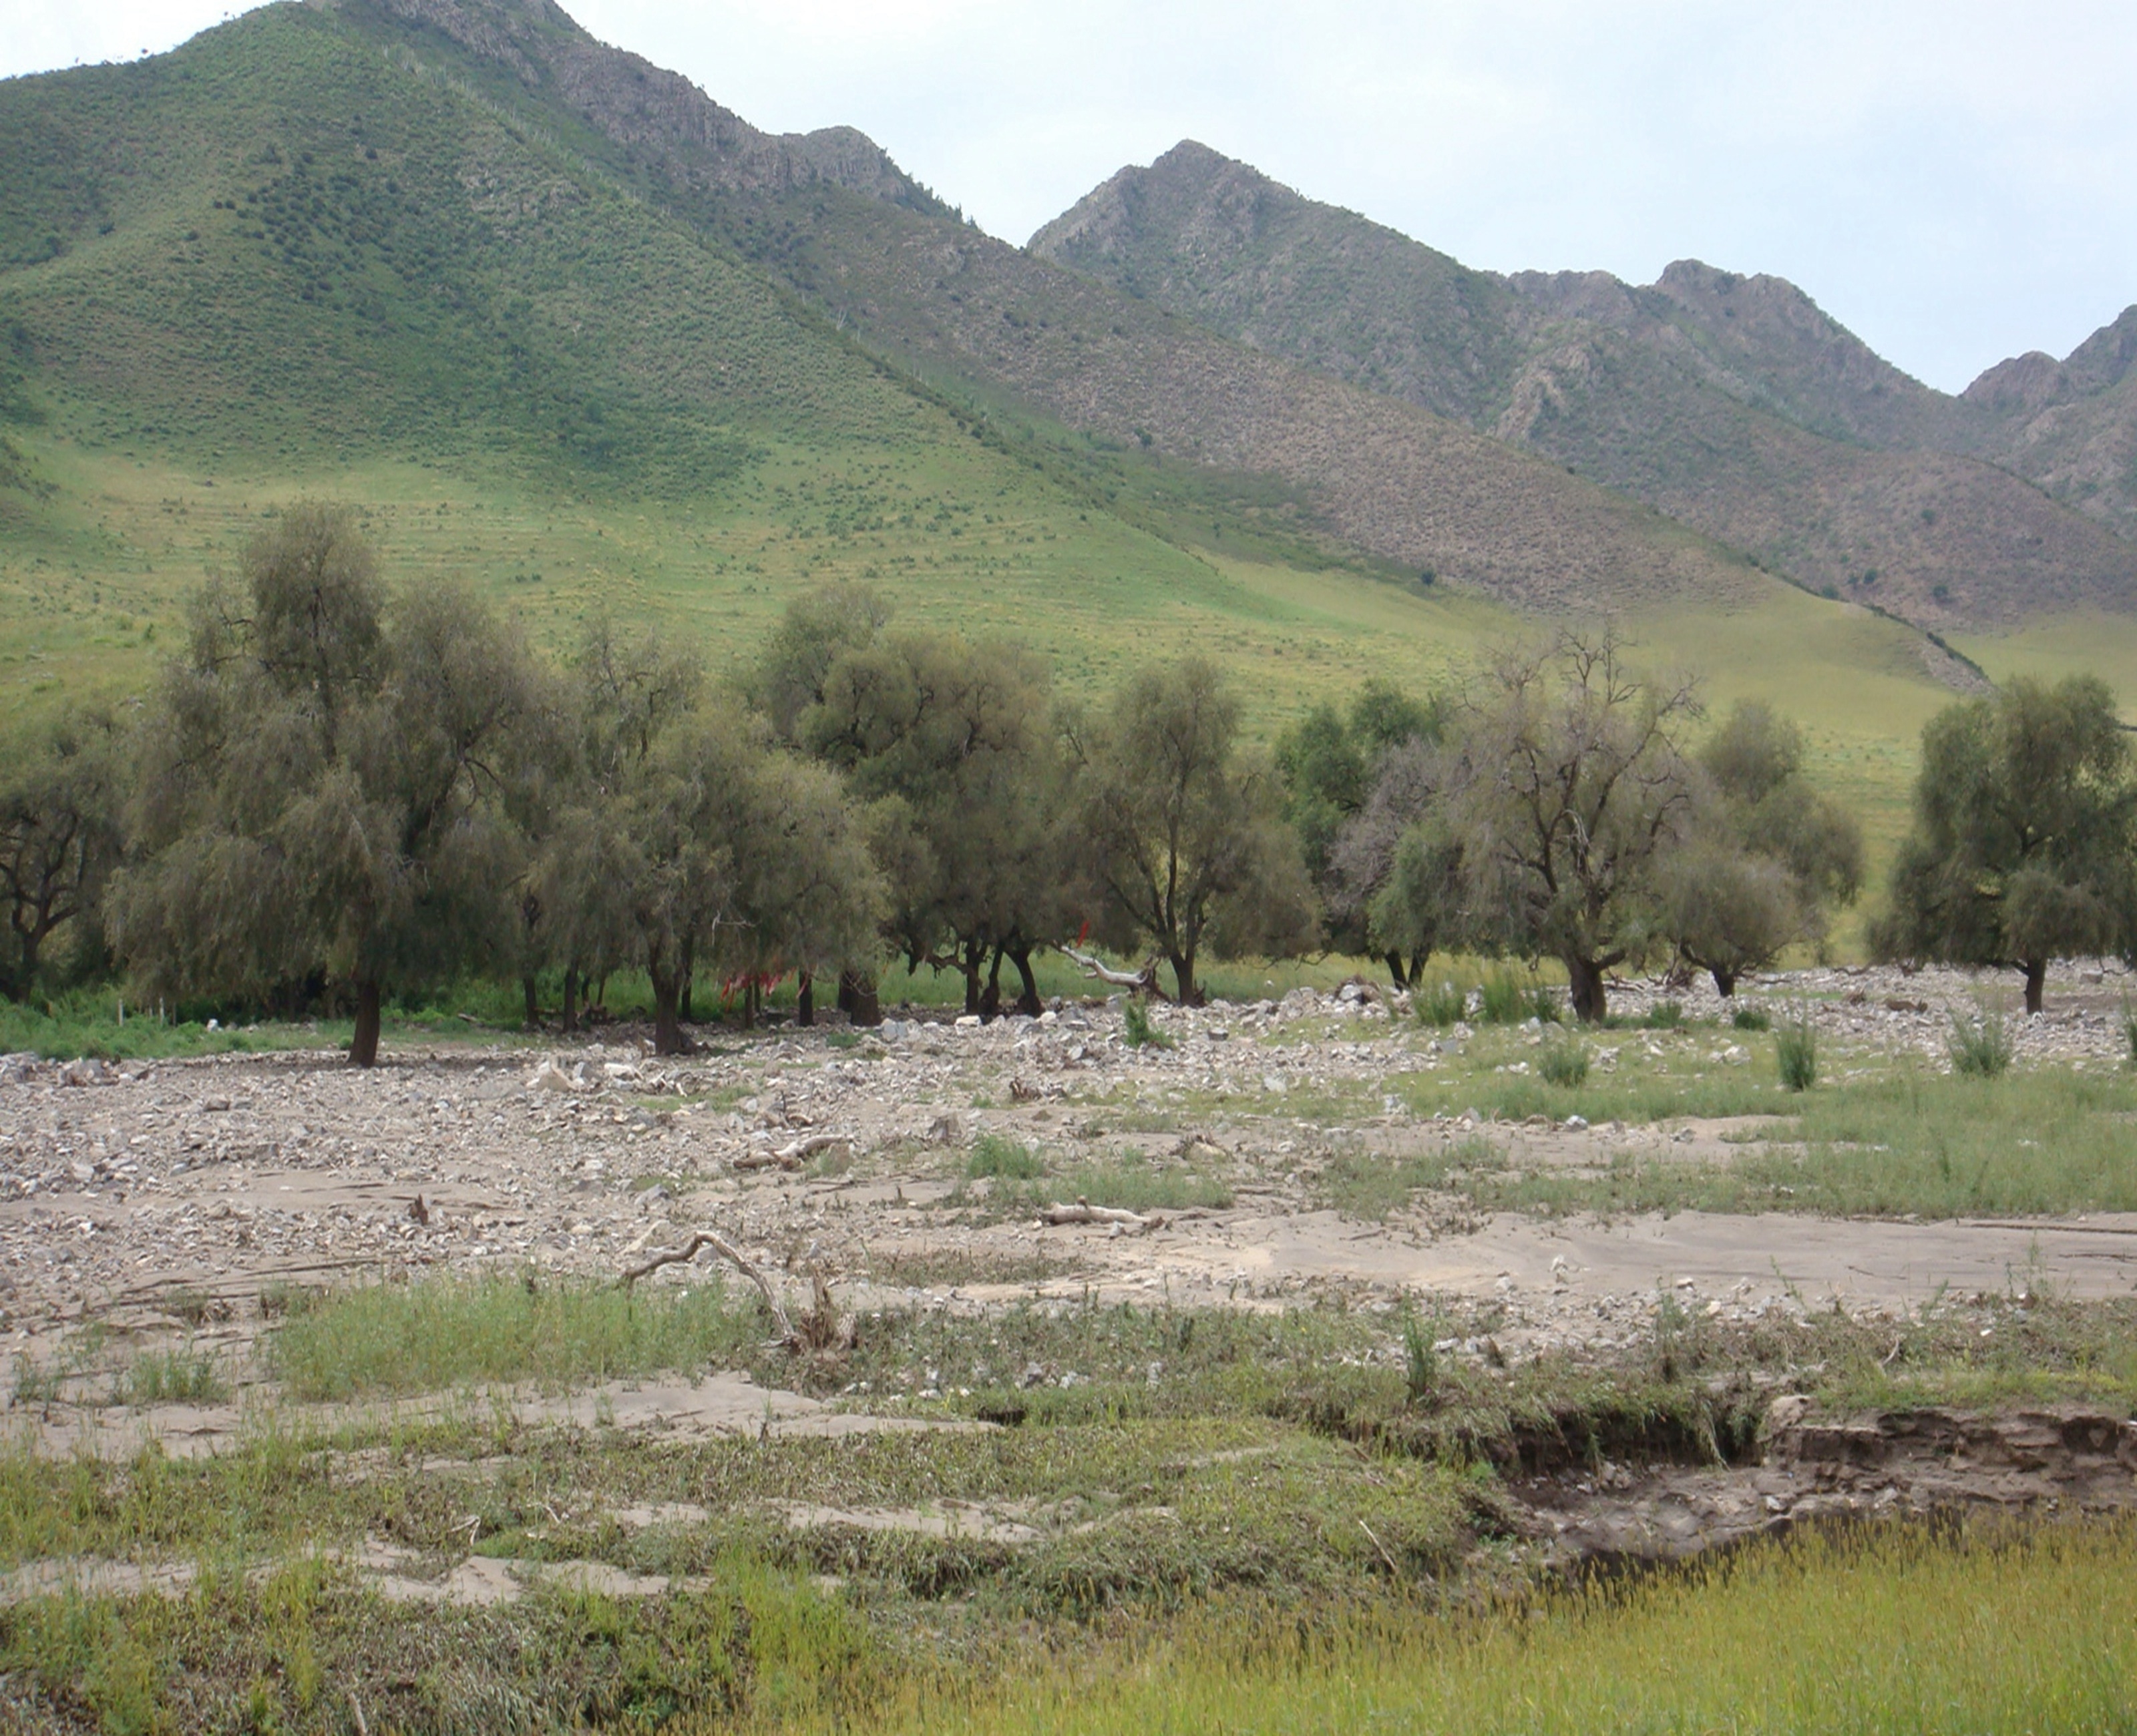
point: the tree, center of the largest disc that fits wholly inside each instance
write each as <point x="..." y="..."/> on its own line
<point x="1392" y="882"/>
<point x="787" y="685"/>
<point x="619" y="697"/>
<point x="1183" y="831"/>
<point x="1333" y="767"/>
<point x="60" y="800"/>
<point x="324" y="780"/>
<point x="1566" y="794"/>
<point x="2021" y="849"/>
<point x="956" y="741"/>
<point x="1767" y="857"/>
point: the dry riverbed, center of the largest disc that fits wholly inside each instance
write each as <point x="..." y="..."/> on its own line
<point x="1541" y="1301"/>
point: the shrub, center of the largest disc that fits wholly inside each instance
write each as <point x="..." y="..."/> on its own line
<point x="1420" y="1361"/>
<point x="1505" y="999"/>
<point x="1980" y="1048"/>
<point x="1665" y="1015"/>
<point x="1445" y="1004"/>
<point x="1751" y="1018"/>
<point x="1795" y="1047"/>
<point x="1136" y="1028"/>
<point x="2129" y="1033"/>
<point x="1564" y="1063"/>
<point x="994" y="1156"/>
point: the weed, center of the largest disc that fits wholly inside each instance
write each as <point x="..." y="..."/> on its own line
<point x="1980" y="1047"/>
<point x="1751" y="1018"/>
<point x="994" y="1157"/>
<point x="170" y="1376"/>
<point x="1420" y="1361"/>
<point x="1503" y="998"/>
<point x="1441" y="1005"/>
<point x="1564" y="1061"/>
<point x="1508" y="997"/>
<point x="1665" y="1015"/>
<point x="1795" y="1050"/>
<point x="1136" y="1028"/>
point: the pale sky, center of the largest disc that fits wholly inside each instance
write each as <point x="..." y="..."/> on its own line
<point x="1956" y="181"/>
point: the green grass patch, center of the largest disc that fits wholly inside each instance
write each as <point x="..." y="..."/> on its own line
<point x="1366" y="1184"/>
<point x="993" y="1157"/>
<point x="451" y="1333"/>
<point x="1844" y="1633"/>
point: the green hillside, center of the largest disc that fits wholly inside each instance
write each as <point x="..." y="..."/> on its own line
<point x="681" y="376"/>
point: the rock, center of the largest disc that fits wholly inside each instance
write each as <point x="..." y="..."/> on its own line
<point x="1577" y="1123"/>
<point x="550" y="1076"/>
<point x="968" y="1021"/>
<point x="85" y="1072"/>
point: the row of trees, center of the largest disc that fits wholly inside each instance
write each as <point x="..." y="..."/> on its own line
<point x="344" y="790"/>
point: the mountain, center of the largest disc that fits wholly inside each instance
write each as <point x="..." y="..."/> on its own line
<point x="2072" y="426"/>
<point x="465" y="227"/>
<point x="1734" y="403"/>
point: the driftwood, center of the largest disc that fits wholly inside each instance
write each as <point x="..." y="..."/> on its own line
<point x="1143" y="981"/>
<point x="791" y="1156"/>
<point x="1083" y="1211"/>
<point x="733" y="1255"/>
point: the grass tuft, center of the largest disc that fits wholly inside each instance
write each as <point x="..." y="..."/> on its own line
<point x="183" y="1376"/>
<point x="1980" y="1048"/>
<point x="994" y="1157"/>
<point x="1751" y="1018"/>
<point x="1795" y="1050"/>
<point x="1564" y="1063"/>
<point x="1135" y="1027"/>
<point x="1442" y="1005"/>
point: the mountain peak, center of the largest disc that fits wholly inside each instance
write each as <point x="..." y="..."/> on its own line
<point x="647" y="108"/>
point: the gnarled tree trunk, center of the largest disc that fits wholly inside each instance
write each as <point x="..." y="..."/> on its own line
<point x="1028" y="1002"/>
<point x="805" y="999"/>
<point x="668" y="1038"/>
<point x="857" y="998"/>
<point x="364" y="1044"/>
<point x="2036" y="980"/>
<point x="1584" y="979"/>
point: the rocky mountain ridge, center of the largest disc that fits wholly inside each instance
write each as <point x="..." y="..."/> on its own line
<point x="1732" y="402"/>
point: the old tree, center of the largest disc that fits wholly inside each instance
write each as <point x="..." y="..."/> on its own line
<point x="2021" y="849"/>
<point x="322" y="794"/>
<point x="1186" y="846"/>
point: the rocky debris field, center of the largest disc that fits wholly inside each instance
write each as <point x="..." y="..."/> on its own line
<point x="850" y="1153"/>
<point x="936" y="1163"/>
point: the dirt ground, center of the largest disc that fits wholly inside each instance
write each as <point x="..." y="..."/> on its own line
<point x="157" y="1197"/>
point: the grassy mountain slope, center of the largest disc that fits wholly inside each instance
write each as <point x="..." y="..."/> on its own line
<point x="1733" y="404"/>
<point x="597" y="351"/>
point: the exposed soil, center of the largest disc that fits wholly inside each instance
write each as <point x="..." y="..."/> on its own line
<point x="170" y="1197"/>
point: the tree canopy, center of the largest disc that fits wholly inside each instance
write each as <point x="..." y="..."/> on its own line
<point x="1565" y="792"/>
<point x="2021" y="850"/>
<point x="323" y="781"/>
<point x="1182" y="827"/>
<point x="1766" y="857"/>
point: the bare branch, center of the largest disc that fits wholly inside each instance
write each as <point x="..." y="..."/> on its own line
<point x="727" y="1251"/>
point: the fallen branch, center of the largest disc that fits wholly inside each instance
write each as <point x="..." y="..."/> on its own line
<point x="1143" y="981"/>
<point x="1083" y="1211"/>
<point x="727" y="1251"/>
<point x="791" y="1156"/>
